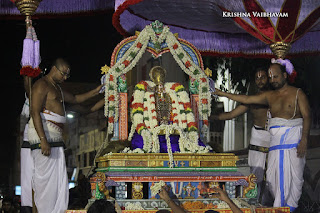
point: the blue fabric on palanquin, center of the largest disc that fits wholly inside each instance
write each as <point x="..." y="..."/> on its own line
<point x="137" y="142"/>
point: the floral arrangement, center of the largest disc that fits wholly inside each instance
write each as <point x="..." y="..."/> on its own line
<point x="155" y="189"/>
<point x="192" y="205"/>
<point x="224" y="205"/>
<point x="130" y="59"/>
<point x="128" y="150"/>
<point x="144" y="119"/>
<point x="133" y="206"/>
<point x="289" y="67"/>
<point x="195" y="205"/>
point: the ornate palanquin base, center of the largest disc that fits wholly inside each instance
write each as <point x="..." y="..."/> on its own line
<point x="191" y="179"/>
<point x="244" y="210"/>
<point x="182" y="160"/>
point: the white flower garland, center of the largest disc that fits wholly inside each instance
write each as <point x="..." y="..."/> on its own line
<point x="147" y="140"/>
<point x="136" y="118"/>
<point x="120" y="68"/>
<point x="171" y="41"/>
<point x="224" y="205"/>
<point x="133" y="206"/>
<point x="168" y="129"/>
<point x="128" y="150"/>
<point x="142" y="39"/>
<point x="188" y="142"/>
<point x="155" y="189"/>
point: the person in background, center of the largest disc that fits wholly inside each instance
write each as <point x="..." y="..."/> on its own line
<point x="102" y="206"/>
<point x="173" y="206"/>
<point x="260" y="136"/>
<point x="289" y="128"/>
<point x="7" y="206"/>
<point x="222" y="195"/>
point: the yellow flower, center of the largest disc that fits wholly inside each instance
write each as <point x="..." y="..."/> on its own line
<point x="208" y="72"/>
<point x="137" y="110"/>
<point x="104" y="69"/>
<point x="178" y="88"/>
<point x="140" y="87"/>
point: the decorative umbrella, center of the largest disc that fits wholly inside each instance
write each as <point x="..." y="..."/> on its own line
<point x="287" y="29"/>
<point x="55" y="8"/>
<point x="204" y="24"/>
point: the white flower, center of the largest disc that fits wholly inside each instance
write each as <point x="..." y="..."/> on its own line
<point x="147" y="140"/>
<point x="155" y="189"/>
<point x="133" y="206"/>
<point x="127" y="150"/>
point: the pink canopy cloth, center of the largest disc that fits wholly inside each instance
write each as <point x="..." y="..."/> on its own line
<point x="206" y="24"/>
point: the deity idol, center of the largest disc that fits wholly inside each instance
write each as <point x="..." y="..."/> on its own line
<point x="162" y="119"/>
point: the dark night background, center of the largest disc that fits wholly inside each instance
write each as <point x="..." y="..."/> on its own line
<point x="86" y="41"/>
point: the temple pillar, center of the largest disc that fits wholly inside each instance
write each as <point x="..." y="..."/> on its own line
<point x="121" y="126"/>
<point x="123" y="117"/>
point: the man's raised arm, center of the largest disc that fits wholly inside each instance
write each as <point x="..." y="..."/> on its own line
<point x="239" y="110"/>
<point x="245" y="99"/>
<point x="76" y="99"/>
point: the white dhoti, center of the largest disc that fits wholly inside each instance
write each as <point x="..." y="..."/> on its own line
<point x="258" y="149"/>
<point x="285" y="169"/>
<point x="50" y="179"/>
<point x="27" y="169"/>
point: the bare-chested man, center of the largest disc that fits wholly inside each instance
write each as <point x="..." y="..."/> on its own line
<point x="50" y="178"/>
<point x="260" y="137"/>
<point x="289" y="128"/>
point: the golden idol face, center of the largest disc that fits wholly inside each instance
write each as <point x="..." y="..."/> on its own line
<point x="158" y="75"/>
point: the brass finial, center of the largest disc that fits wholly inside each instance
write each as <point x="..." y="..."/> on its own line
<point x="27" y="7"/>
<point x="280" y="49"/>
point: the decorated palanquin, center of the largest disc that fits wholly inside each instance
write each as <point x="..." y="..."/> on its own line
<point x="156" y="39"/>
<point x="169" y="125"/>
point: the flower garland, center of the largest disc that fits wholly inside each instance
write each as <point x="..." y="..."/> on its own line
<point x="133" y="206"/>
<point x="144" y="119"/>
<point x="128" y="150"/>
<point x="155" y="189"/>
<point x="133" y="55"/>
<point x="126" y="63"/>
<point x="189" y="67"/>
<point x="181" y="107"/>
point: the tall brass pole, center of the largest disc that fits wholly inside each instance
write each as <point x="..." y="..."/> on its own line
<point x="28" y="8"/>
